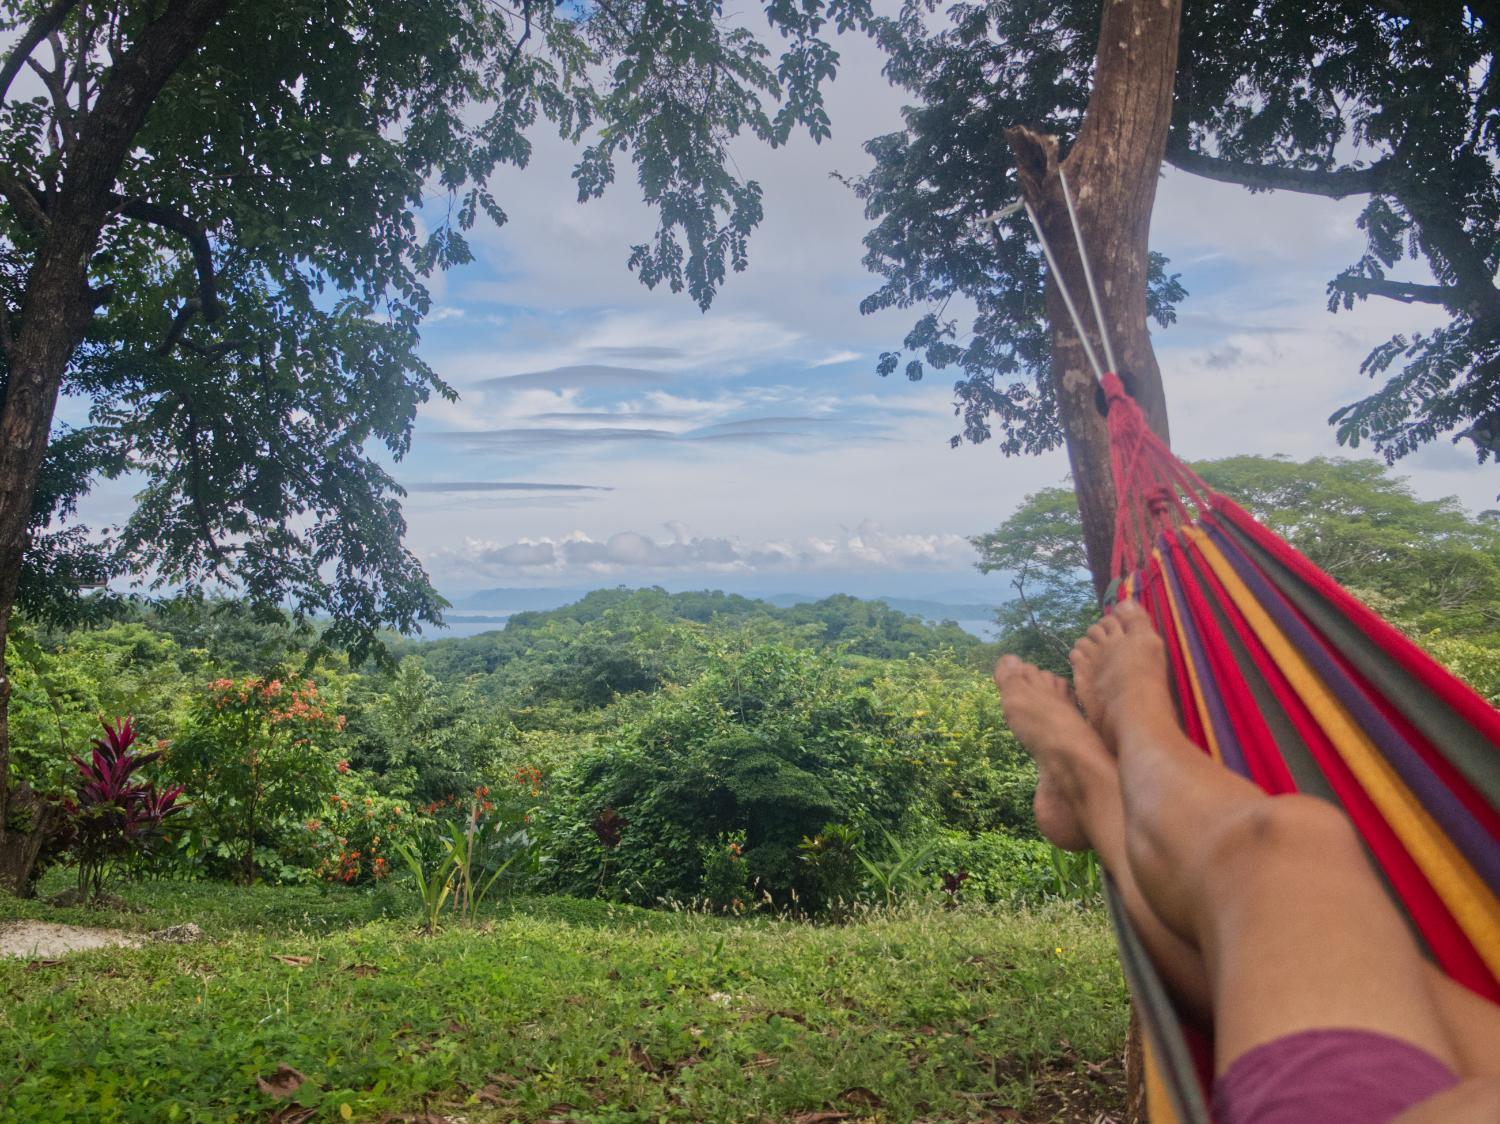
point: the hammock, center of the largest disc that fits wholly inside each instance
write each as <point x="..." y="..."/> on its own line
<point x="1290" y="681"/>
<point x="1287" y="679"/>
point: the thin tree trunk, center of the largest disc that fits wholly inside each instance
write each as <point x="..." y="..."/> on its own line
<point x="1112" y="171"/>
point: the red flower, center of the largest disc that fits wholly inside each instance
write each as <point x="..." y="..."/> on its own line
<point x="342" y="766"/>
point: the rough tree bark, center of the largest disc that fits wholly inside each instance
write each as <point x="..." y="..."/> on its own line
<point x="57" y="304"/>
<point x="1112" y="171"/>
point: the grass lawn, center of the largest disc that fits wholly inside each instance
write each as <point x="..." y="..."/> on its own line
<point x="556" y="1009"/>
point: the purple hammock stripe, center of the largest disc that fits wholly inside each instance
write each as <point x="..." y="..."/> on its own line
<point x="1224" y="733"/>
<point x="1467" y="834"/>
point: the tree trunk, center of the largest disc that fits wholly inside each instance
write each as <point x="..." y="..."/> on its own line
<point x="1112" y="171"/>
<point x="56" y="306"/>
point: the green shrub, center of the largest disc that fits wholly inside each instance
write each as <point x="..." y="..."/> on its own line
<point x="770" y="741"/>
<point x="999" y="867"/>
<point x="259" y="759"/>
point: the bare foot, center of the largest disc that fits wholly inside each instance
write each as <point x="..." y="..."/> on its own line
<point x="1120" y="673"/>
<point x="1040" y="710"/>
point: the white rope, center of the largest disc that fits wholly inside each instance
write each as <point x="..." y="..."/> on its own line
<point x="1088" y="274"/>
<point x="1083" y="336"/>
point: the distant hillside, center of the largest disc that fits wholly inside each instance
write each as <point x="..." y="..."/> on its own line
<point x="916" y="607"/>
<point x="862" y="627"/>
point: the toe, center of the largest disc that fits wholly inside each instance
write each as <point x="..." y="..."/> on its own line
<point x="1131" y="617"/>
<point x="1007" y="668"/>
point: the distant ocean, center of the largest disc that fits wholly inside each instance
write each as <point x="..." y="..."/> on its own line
<point x="471" y="622"/>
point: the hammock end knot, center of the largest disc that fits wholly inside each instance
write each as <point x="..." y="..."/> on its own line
<point x="1114" y="388"/>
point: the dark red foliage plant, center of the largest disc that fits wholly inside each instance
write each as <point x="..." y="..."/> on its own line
<point x="608" y="826"/>
<point x="115" y="813"/>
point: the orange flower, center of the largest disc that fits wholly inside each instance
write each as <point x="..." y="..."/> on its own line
<point x="342" y="766"/>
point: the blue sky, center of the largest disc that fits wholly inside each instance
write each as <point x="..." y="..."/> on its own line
<point x="607" y="434"/>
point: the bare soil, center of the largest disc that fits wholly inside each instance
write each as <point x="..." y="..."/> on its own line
<point x="43" y="940"/>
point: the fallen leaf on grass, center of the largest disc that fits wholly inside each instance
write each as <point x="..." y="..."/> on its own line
<point x="292" y="1114"/>
<point x="281" y="1084"/>
<point x="820" y="1117"/>
<point x="33" y="965"/>
<point x="363" y="970"/>
<point x="504" y="1080"/>
<point x="639" y="1057"/>
<point x="492" y="1094"/>
<point x="861" y="1096"/>
<point x="294" y="961"/>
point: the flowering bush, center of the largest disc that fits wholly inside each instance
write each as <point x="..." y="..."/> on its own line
<point x="113" y="812"/>
<point x="261" y="757"/>
<point x="726" y="881"/>
<point x="355" y="837"/>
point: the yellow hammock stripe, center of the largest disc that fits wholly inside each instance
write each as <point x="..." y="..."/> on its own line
<point x="1468" y="899"/>
<point x="1159" y="1108"/>
<point x="1175" y="611"/>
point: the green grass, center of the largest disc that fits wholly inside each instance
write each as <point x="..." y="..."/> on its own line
<point x="560" y="1009"/>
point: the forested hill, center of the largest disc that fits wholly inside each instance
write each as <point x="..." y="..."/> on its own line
<point x="642" y="619"/>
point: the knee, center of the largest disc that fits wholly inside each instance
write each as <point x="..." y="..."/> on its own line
<point x="1284" y="827"/>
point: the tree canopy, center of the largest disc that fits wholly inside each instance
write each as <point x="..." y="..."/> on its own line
<point x="218" y="223"/>
<point x="1427" y="564"/>
<point x="1396" y="103"/>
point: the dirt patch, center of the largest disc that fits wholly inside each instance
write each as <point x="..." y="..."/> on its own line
<point x="42" y="940"/>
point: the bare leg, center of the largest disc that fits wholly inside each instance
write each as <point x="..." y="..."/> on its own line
<point x="1275" y="893"/>
<point x="1078" y="807"/>
<point x="1083" y="800"/>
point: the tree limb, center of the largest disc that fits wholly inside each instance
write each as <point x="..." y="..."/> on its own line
<point x="1406" y="292"/>
<point x="44" y="25"/>
<point x="1335" y="184"/>
<point x="55" y="81"/>
<point x="24" y="198"/>
<point x="195" y="489"/>
<point x="158" y="215"/>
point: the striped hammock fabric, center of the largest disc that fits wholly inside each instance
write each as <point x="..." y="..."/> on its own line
<point x="1287" y="679"/>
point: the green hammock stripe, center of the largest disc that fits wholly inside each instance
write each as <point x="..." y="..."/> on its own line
<point x="1464" y="747"/>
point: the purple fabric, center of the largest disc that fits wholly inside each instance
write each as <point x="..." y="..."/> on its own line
<point x="1456" y="821"/>
<point x="1328" y="1077"/>
<point x="1224" y="733"/>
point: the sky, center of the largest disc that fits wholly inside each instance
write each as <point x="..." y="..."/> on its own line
<point x="607" y="434"/>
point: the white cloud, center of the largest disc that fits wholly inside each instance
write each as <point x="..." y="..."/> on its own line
<point x="842" y="356"/>
<point x="867" y="547"/>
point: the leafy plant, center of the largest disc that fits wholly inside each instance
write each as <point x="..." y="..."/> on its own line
<point x="485" y="845"/>
<point x="113" y="812"/>
<point x="434" y="881"/>
<point x="1075" y="875"/>
<point x="258" y="754"/>
<point x="832" y="857"/>
<point x="465" y="858"/>
<point x="900" y="875"/>
<point x="726" y="879"/>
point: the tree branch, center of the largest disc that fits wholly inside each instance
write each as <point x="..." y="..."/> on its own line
<point x="195" y="489"/>
<point x="158" y="215"/>
<point x="1404" y="291"/>
<point x="1334" y="185"/>
<point x="44" y="25"/>
<point x="24" y="198"/>
<point x="54" y="80"/>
